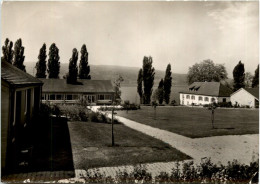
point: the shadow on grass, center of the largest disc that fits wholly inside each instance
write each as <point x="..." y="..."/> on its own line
<point x="52" y="147"/>
<point x="231" y="128"/>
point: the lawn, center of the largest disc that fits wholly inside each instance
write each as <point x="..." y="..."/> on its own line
<point x="195" y="122"/>
<point x="91" y="146"/>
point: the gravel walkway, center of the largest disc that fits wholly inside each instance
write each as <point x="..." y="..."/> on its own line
<point x="222" y="149"/>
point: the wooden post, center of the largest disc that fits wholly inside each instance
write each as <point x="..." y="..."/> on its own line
<point x="212" y="117"/>
<point x="112" y="119"/>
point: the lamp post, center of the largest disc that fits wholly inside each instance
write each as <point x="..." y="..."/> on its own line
<point x="212" y="108"/>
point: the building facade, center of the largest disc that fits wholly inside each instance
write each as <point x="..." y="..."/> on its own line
<point x="246" y="97"/>
<point x="93" y="92"/>
<point x="201" y="93"/>
<point x="20" y="99"/>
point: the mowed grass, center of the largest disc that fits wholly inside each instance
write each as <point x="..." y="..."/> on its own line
<point x="91" y="146"/>
<point x="195" y="122"/>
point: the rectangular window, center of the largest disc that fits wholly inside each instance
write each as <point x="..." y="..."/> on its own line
<point x="43" y="97"/>
<point x="224" y="100"/>
<point x="75" y="97"/>
<point x="193" y="97"/>
<point x="187" y="96"/>
<point x="107" y="97"/>
<point x="58" y="97"/>
<point x="52" y="97"/>
<point x="69" y="97"/>
<point x="101" y="97"/>
<point x="200" y="98"/>
<point x="206" y="99"/>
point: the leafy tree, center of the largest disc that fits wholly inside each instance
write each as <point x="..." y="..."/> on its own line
<point x="167" y="84"/>
<point x="19" y="55"/>
<point x="53" y="62"/>
<point x="239" y="76"/>
<point x="84" y="68"/>
<point x="148" y="78"/>
<point x="161" y="92"/>
<point x="41" y="64"/>
<point x="73" y="68"/>
<point x="207" y="71"/>
<point x="8" y="52"/>
<point x="255" y="82"/>
<point x="140" y="85"/>
<point x="248" y="79"/>
<point x="117" y="86"/>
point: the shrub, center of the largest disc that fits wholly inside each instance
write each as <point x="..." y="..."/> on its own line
<point x="130" y="106"/>
<point x="225" y="104"/>
<point x="74" y="112"/>
<point x="205" y="172"/>
<point x="139" y="174"/>
<point x="103" y="118"/>
<point x="94" y="117"/>
<point x="55" y="110"/>
<point x="82" y="115"/>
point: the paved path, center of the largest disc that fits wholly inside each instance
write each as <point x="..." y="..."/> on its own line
<point x="219" y="148"/>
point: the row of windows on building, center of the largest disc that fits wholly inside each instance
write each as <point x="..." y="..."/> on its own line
<point x="206" y="99"/>
<point x="75" y="97"/>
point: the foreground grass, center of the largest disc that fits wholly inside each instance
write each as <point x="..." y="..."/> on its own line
<point x="196" y="122"/>
<point x="91" y="146"/>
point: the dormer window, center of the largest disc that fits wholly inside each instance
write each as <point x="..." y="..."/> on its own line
<point x="191" y="88"/>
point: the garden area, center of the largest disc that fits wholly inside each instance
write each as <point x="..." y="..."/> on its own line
<point x="91" y="146"/>
<point x="195" y="122"/>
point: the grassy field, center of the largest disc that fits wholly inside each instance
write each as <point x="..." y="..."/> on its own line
<point x="195" y="122"/>
<point x="91" y="146"/>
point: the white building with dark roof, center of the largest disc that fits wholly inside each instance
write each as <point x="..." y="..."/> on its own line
<point x="201" y="93"/>
<point x="92" y="91"/>
<point x="246" y="97"/>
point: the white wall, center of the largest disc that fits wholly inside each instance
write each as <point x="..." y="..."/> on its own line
<point x="196" y="101"/>
<point x="243" y="98"/>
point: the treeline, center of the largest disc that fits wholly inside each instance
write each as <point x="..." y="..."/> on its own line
<point x="145" y="82"/>
<point x="208" y="71"/>
<point x="16" y="57"/>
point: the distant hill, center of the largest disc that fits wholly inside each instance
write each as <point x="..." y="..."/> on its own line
<point x="109" y="72"/>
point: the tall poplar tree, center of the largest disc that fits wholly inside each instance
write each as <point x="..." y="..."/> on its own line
<point x="167" y="84"/>
<point x="53" y="62"/>
<point x="19" y="55"/>
<point x="41" y="64"/>
<point x="255" y="82"/>
<point x="160" y="92"/>
<point x="8" y="52"/>
<point x="239" y="76"/>
<point x="140" y="85"/>
<point x="73" y="68"/>
<point x="84" y="68"/>
<point x="148" y="78"/>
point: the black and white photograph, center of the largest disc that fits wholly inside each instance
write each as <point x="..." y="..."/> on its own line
<point x="130" y="92"/>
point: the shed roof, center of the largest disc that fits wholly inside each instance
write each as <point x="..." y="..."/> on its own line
<point x="208" y="88"/>
<point x="253" y="91"/>
<point x="83" y="86"/>
<point x="14" y="76"/>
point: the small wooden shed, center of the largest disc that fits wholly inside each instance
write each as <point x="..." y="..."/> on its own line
<point x="20" y="99"/>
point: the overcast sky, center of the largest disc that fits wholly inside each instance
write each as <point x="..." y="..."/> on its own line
<point x="122" y="33"/>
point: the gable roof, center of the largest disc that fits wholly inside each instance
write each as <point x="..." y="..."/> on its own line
<point x="208" y="89"/>
<point x="253" y="91"/>
<point x="14" y="76"/>
<point x="83" y="86"/>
